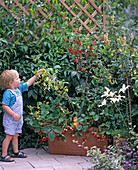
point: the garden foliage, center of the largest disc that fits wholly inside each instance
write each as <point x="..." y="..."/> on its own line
<point x="79" y="68"/>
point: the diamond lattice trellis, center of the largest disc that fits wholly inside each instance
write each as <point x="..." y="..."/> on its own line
<point x="47" y="14"/>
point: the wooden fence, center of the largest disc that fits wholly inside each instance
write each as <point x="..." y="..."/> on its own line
<point x="78" y="14"/>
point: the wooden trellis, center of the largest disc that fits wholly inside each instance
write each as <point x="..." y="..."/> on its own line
<point x="84" y="11"/>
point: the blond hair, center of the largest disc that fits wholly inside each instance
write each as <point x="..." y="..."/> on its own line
<point x="6" y="77"/>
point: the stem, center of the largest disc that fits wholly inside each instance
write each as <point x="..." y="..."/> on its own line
<point x="121" y="116"/>
<point x="37" y="142"/>
<point x="129" y="97"/>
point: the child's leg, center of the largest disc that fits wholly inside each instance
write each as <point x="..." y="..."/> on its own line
<point x="5" y="144"/>
<point x="15" y="143"/>
<point x="16" y="152"/>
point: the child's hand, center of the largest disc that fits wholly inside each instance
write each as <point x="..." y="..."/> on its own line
<point x="16" y="117"/>
<point x="39" y="71"/>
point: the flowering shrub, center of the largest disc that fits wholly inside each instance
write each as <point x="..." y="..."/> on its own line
<point x="107" y="160"/>
<point x="129" y="151"/>
<point x="122" y="156"/>
<point x="113" y="102"/>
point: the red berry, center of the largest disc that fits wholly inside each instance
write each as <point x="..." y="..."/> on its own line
<point x="82" y="69"/>
<point x="68" y="128"/>
<point x="73" y="128"/>
<point x="83" y="139"/>
<point x="56" y="138"/>
<point x="63" y="132"/>
<point x="65" y="39"/>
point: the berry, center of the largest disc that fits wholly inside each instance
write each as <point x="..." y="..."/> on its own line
<point x="65" y="39"/>
<point x="68" y="128"/>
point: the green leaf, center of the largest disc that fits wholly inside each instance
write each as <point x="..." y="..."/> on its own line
<point x="37" y="129"/>
<point x="57" y="66"/>
<point x="57" y="129"/>
<point x="96" y="117"/>
<point x="51" y="135"/>
<point x="34" y="95"/>
<point x="47" y="129"/>
<point x="114" y="4"/>
<point x="60" y="120"/>
<point x="84" y="128"/>
<point x="73" y="73"/>
<point x="79" y="127"/>
<point x="64" y="56"/>
<point x="30" y="93"/>
<point x="92" y="113"/>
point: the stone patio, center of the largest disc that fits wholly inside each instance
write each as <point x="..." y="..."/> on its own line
<point x="40" y="159"/>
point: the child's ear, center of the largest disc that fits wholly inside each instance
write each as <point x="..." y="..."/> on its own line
<point x="10" y="83"/>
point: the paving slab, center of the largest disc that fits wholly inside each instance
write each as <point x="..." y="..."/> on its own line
<point x="6" y="163"/>
<point x="17" y="166"/>
<point x="46" y="168"/>
<point x="85" y="165"/>
<point x="28" y="159"/>
<point x="68" y="167"/>
<point x="71" y="159"/>
<point x="44" y="163"/>
<point x="1" y="168"/>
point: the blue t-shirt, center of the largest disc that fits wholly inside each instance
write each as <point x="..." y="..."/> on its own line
<point x="9" y="98"/>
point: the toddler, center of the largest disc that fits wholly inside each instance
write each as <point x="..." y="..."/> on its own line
<point x="12" y="104"/>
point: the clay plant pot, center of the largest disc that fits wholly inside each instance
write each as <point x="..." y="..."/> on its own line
<point x="72" y="148"/>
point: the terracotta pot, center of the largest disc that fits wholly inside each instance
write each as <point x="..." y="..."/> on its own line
<point x="70" y="148"/>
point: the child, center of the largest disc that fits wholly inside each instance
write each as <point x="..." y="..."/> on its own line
<point x="12" y="104"/>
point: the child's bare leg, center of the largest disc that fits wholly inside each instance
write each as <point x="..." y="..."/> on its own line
<point x="15" y="143"/>
<point x="5" y="144"/>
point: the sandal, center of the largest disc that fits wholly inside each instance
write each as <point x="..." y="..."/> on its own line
<point x="19" y="155"/>
<point x="6" y="158"/>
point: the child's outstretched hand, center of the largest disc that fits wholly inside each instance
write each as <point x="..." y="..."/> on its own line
<point x="40" y="71"/>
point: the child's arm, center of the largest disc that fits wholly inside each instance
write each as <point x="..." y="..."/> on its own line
<point x="32" y="79"/>
<point x="10" y="112"/>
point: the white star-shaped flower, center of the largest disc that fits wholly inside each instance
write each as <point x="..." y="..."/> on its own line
<point x="103" y="103"/>
<point x="123" y="89"/>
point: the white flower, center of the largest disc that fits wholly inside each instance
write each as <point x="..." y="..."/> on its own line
<point x="113" y="100"/>
<point x="112" y="94"/>
<point x="103" y="103"/>
<point x="123" y="89"/>
<point x="119" y="97"/>
<point x="106" y="93"/>
<point x="107" y="89"/>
